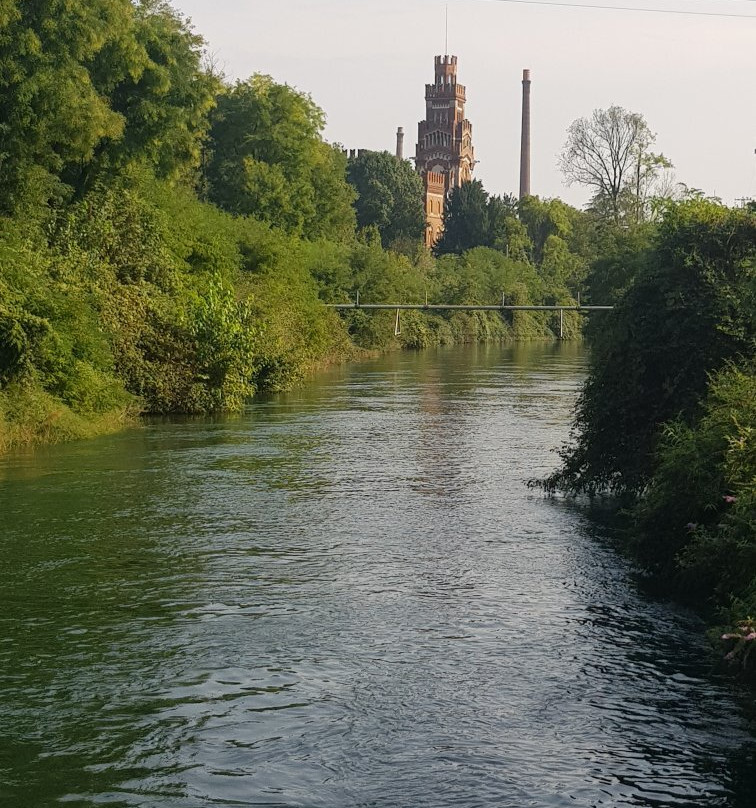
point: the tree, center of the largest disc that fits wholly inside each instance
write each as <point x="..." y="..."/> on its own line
<point x="88" y="88"/>
<point x="544" y="218"/>
<point x="690" y="309"/>
<point x="51" y="113"/>
<point x="268" y="160"/>
<point x="505" y="231"/>
<point x="562" y="243"/>
<point x="156" y="81"/>
<point x="609" y="153"/>
<point x="472" y="219"/>
<point x="389" y="196"/>
<point x="465" y="219"/>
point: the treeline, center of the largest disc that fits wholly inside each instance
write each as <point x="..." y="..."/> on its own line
<point x="666" y="423"/>
<point x="167" y="239"/>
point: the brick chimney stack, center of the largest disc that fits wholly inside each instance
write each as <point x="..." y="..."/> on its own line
<point x="400" y="143"/>
<point x="525" y="144"/>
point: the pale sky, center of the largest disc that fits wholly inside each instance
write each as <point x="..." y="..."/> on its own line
<point x="366" y="63"/>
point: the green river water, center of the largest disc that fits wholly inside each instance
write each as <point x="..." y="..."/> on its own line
<point x="347" y="597"/>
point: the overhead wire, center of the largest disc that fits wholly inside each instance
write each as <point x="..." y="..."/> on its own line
<point x="646" y="10"/>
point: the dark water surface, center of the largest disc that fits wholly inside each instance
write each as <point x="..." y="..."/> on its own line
<point x="346" y="598"/>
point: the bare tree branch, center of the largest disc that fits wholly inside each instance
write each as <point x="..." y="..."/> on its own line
<point x="609" y="152"/>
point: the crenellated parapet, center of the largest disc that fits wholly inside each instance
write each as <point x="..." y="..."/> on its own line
<point x="434" y="92"/>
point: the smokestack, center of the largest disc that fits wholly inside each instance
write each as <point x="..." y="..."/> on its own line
<point x="400" y="143"/>
<point x="525" y="145"/>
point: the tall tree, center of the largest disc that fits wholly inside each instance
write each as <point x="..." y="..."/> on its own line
<point x="268" y="160"/>
<point x="51" y="113"/>
<point x="389" y="196"/>
<point x="88" y="87"/>
<point x="472" y="218"/>
<point x="610" y="154"/>
<point x="465" y="219"/>
<point x="156" y="82"/>
<point x="544" y="218"/>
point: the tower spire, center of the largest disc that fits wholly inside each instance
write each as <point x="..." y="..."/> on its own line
<point x="446" y="44"/>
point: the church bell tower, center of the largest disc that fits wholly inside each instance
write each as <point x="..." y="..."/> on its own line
<point x="444" y="157"/>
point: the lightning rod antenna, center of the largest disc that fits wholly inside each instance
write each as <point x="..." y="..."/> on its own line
<point x="446" y="50"/>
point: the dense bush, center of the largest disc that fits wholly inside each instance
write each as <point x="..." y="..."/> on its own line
<point x="667" y="418"/>
<point x="696" y="519"/>
<point x="696" y="526"/>
<point x="122" y="291"/>
<point x="690" y="308"/>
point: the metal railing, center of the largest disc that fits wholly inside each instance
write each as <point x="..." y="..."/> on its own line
<point x="500" y="307"/>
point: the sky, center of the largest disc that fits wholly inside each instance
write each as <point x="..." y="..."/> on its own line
<point x="366" y="63"/>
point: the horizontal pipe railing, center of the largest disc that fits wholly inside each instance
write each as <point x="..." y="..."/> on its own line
<point x="460" y="307"/>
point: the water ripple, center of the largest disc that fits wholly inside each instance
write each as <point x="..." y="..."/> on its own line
<point x="347" y="599"/>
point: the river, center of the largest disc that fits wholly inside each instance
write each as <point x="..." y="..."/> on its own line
<point x="347" y="597"/>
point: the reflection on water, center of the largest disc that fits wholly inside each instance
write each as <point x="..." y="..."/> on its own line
<point x="346" y="597"/>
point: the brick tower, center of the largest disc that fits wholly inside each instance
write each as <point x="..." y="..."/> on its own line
<point x="445" y="157"/>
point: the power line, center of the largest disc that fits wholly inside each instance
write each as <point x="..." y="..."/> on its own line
<point x="630" y="8"/>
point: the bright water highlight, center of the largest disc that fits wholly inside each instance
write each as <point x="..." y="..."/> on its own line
<point x="347" y="597"/>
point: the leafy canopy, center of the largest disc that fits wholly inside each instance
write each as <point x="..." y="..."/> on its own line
<point x="389" y="196"/>
<point x="268" y="159"/>
<point x="472" y="218"/>
<point x="90" y="86"/>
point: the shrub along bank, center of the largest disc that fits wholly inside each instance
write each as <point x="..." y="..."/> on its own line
<point x="666" y="422"/>
<point x="139" y="298"/>
<point x="168" y="239"/>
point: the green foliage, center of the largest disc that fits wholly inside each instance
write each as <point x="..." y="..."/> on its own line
<point x="698" y="517"/>
<point x="465" y="220"/>
<point x="139" y="298"/>
<point x="622" y="255"/>
<point x="547" y="234"/>
<point x="505" y="231"/>
<point x="44" y="50"/>
<point x="297" y="332"/>
<point x="563" y="241"/>
<point x="696" y="526"/>
<point x="690" y="309"/>
<point x="268" y="160"/>
<point x="389" y="196"/>
<point x="155" y="81"/>
<point x="667" y="418"/>
<point x="87" y="88"/>
<point x="121" y="292"/>
<point x="544" y="219"/>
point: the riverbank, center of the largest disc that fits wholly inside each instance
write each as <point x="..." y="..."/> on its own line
<point x="173" y="253"/>
<point x="666" y="423"/>
<point x="29" y="416"/>
<point x="141" y="297"/>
